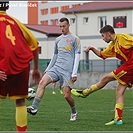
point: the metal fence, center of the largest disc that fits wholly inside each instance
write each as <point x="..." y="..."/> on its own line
<point x="98" y="65"/>
<point x="88" y="66"/>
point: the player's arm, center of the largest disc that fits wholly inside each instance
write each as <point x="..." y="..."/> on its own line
<point x="76" y="64"/>
<point x="53" y="60"/>
<point x="95" y="51"/>
<point x="77" y="59"/>
<point x="35" y="73"/>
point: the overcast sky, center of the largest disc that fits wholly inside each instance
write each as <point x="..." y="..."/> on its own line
<point x="18" y="9"/>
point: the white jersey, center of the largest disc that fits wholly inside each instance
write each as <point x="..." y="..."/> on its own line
<point x="66" y="46"/>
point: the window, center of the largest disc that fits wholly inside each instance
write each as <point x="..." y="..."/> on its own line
<point x="54" y="22"/>
<point x="44" y="22"/>
<point x="120" y="22"/>
<point x="64" y="8"/>
<point x="54" y="10"/>
<point x="44" y="11"/>
<point x="85" y="20"/>
<point x="72" y="21"/>
<point x="75" y="5"/>
<point x="102" y="21"/>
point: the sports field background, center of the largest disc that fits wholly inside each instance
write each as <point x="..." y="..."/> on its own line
<point x="54" y="113"/>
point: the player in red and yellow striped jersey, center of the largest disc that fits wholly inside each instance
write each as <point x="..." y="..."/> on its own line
<point x="121" y="47"/>
<point x="17" y="48"/>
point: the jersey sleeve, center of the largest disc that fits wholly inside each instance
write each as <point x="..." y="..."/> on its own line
<point x="76" y="64"/>
<point x="55" y="47"/>
<point x="108" y="52"/>
<point x="31" y="40"/>
<point x="77" y="56"/>
<point x="77" y="46"/>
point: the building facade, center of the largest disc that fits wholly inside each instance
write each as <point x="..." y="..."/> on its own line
<point x="49" y="12"/>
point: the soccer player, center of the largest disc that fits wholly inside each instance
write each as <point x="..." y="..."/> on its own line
<point x="17" y="48"/>
<point x="63" y="66"/>
<point x="121" y="47"/>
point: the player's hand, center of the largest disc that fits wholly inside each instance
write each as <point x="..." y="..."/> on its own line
<point x="36" y="75"/>
<point x="3" y="76"/>
<point x="74" y="78"/>
<point x="89" y="48"/>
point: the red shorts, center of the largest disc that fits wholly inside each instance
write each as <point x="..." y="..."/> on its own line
<point x="15" y="86"/>
<point x="124" y="75"/>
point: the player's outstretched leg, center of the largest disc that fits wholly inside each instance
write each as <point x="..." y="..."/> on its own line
<point x="78" y="93"/>
<point x="86" y="92"/>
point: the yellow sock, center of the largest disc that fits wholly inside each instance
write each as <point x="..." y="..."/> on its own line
<point x="118" y="111"/>
<point x="88" y="91"/>
<point x="21" y="118"/>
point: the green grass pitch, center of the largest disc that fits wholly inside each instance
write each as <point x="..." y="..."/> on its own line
<point x="54" y="113"/>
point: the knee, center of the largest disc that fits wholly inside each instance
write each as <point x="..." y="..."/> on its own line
<point x="42" y="84"/>
<point x="66" y="96"/>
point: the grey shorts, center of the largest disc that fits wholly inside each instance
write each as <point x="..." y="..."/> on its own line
<point x="60" y="75"/>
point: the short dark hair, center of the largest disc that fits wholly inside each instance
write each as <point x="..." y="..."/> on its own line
<point x="64" y="19"/>
<point x="4" y="5"/>
<point x="107" y="28"/>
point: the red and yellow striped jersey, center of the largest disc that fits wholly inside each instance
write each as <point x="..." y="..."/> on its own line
<point x="17" y="45"/>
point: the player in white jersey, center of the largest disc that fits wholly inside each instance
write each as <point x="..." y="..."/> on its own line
<point x="63" y="66"/>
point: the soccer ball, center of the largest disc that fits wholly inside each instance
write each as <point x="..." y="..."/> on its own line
<point x="31" y="93"/>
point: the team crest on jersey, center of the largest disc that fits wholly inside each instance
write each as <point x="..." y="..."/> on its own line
<point x="68" y="47"/>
